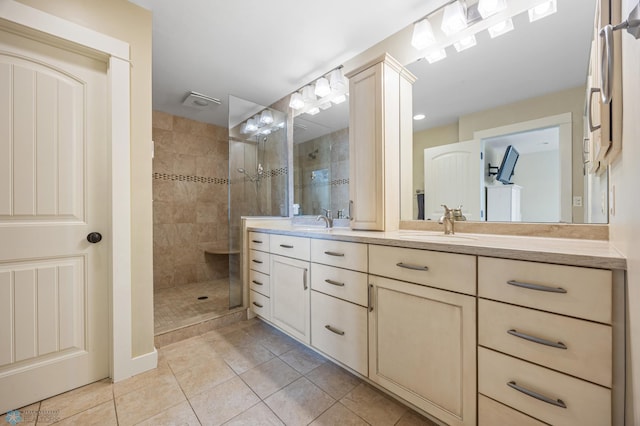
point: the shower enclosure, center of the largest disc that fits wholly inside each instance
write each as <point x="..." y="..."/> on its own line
<point x="258" y="174"/>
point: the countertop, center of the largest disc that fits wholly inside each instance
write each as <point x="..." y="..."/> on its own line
<point x="575" y="252"/>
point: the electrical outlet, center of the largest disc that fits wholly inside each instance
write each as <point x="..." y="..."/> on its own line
<point x="577" y="201"/>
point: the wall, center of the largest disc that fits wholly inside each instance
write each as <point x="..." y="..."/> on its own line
<point x="329" y="152"/>
<point x="190" y="186"/>
<point x="539" y="184"/>
<point x="132" y="24"/>
<point x="625" y="223"/>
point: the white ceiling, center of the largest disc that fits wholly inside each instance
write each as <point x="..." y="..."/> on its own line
<point x="259" y="50"/>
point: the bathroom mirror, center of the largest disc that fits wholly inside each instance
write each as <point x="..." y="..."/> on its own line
<point x="526" y="89"/>
<point x="321" y="161"/>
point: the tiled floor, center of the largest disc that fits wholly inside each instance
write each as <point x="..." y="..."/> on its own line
<point x="244" y="374"/>
<point x="179" y="306"/>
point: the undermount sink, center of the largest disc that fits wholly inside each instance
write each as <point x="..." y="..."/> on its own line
<point x="425" y="236"/>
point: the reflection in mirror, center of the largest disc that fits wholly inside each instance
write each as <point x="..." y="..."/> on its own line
<point x="526" y="85"/>
<point x="321" y="162"/>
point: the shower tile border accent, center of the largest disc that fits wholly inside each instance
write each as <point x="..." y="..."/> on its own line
<point x="185" y="178"/>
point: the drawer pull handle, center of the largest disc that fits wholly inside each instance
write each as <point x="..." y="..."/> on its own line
<point x="332" y="282"/>
<point x="539" y="340"/>
<point x="413" y="267"/>
<point x="537" y="287"/>
<point x="536" y="395"/>
<point x="334" y="330"/>
<point x="286" y="246"/>
<point x="333" y="253"/>
<point x="256" y="241"/>
<point x="256" y="282"/>
<point x="370" y="298"/>
<point x="258" y="305"/>
<point x="256" y="261"/>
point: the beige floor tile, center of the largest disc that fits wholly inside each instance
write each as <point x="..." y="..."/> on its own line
<point x="103" y="414"/>
<point x="146" y="402"/>
<point x="338" y="414"/>
<point x="75" y="401"/>
<point x="231" y="339"/>
<point x="182" y="415"/>
<point x="190" y="356"/>
<point x="303" y="359"/>
<point x="411" y="418"/>
<point x="243" y="358"/>
<point x="204" y="376"/>
<point x="272" y="339"/>
<point x="300" y="402"/>
<point x="269" y="377"/>
<point x="224" y="402"/>
<point x="334" y="380"/>
<point x="154" y="377"/>
<point x="258" y="415"/>
<point x="373" y="406"/>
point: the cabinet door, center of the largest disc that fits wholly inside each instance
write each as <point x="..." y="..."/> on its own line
<point x="366" y="174"/>
<point x="422" y="347"/>
<point x="290" y="296"/>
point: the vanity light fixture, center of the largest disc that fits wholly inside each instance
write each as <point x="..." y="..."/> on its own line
<point x="308" y="94"/>
<point x="296" y="102"/>
<point x="313" y="111"/>
<point x="454" y="18"/>
<point x="322" y="87"/>
<point x="465" y="43"/>
<point x="325" y="105"/>
<point x="266" y="117"/>
<point x="336" y="79"/>
<point x="423" y="36"/>
<point x="435" y="56"/>
<point x="543" y="10"/>
<point x="419" y="117"/>
<point x="339" y="99"/>
<point x="500" y="28"/>
<point x="251" y="126"/>
<point x="488" y="8"/>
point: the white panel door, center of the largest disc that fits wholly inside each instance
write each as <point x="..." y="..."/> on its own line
<point x="53" y="193"/>
<point x="453" y="176"/>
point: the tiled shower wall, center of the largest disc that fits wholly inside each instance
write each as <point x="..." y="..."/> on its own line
<point x="330" y="152"/>
<point x="190" y="184"/>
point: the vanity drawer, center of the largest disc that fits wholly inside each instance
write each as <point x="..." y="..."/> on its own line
<point x="585" y="347"/>
<point x="259" y="261"/>
<point x="584" y="403"/>
<point x="260" y="304"/>
<point x="448" y="271"/>
<point x="259" y="282"/>
<point x="340" y="253"/>
<point x="287" y="245"/>
<point x="568" y="290"/>
<point x="259" y="241"/>
<point x="339" y="329"/>
<point x="342" y="283"/>
<point x="492" y="413"/>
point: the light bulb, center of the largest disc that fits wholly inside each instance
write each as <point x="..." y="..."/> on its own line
<point x="454" y="18"/>
<point x="465" y="43"/>
<point x="313" y="111"/>
<point x="266" y="117"/>
<point x="435" y="56"/>
<point x="543" y="10"/>
<point x="337" y="81"/>
<point x="423" y="36"/>
<point x="488" y="8"/>
<point x="339" y="99"/>
<point x="308" y="94"/>
<point x="296" y="101"/>
<point x="500" y="28"/>
<point x="251" y="125"/>
<point x="322" y="87"/>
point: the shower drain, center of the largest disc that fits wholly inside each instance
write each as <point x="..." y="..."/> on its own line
<point x="203" y="297"/>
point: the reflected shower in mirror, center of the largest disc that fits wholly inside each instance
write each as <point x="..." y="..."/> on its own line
<point x="529" y="81"/>
<point x="321" y="162"/>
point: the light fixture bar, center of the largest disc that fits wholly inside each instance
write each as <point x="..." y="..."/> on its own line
<point x="204" y="97"/>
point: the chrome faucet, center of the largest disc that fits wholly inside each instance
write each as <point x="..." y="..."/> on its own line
<point x="450" y="217"/>
<point x="328" y="220"/>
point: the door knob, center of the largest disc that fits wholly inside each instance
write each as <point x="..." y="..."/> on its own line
<point x="94" y="237"/>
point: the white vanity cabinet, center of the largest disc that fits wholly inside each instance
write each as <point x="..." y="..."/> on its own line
<point x="546" y="341"/>
<point x="259" y="278"/>
<point x="339" y="301"/>
<point x="290" y="285"/>
<point x="422" y="339"/>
